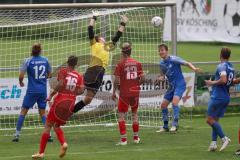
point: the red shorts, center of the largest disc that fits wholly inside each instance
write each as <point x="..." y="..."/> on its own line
<point x="125" y="102"/>
<point x="61" y="109"/>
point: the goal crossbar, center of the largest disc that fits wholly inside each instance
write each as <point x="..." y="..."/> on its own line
<point x="88" y="5"/>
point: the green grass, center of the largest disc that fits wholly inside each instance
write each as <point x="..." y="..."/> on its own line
<point x="197" y="52"/>
<point x="99" y="143"/>
<point x="203" y="52"/>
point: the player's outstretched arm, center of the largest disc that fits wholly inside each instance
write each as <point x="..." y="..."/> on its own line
<point x="49" y="75"/>
<point x="21" y="77"/>
<point x="162" y="74"/>
<point x="90" y="26"/>
<point x="142" y="79"/>
<point x="141" y="74"/>
<point x="23" y="69"/>
<point x="121" y="29"/>
<point x="222" y="80"/>
<point x="49" y="72"/>
<point x="55" y="90"/>
<point x="116" y="83"/>
<point x="192" y="67"/>
<point x="236" y="81"/>
<point x="80" y="90"/>
<point x="93" y="19"/>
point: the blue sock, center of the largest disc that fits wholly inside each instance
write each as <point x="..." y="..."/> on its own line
<point x="43" y="119"/>
<point x="218" y="129"/>
<point x="176" y="112"/>
<point x="165" y="117"/>
<point x="19" y="124"/>
<point x="214" y="134"/>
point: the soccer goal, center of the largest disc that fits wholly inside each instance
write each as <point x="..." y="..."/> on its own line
<point x="62" y="31"/>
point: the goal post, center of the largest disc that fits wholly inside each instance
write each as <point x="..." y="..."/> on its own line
<point x="62" y="31"/>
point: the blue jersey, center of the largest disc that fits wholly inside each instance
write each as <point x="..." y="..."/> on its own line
<point x="171" y="67"/>
<point x="37" y="69"/>
<point x="222" y="91"/>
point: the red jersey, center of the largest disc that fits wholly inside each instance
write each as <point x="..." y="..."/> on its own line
<point x="129" y="70"/>
<point x="71" y="80"/>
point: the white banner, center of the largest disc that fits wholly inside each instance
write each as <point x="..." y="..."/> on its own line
<point x="11" y="95"/>
<point x="205" y="20"/>
<point x="151" y="94"/>
<point x="153" y="97"/>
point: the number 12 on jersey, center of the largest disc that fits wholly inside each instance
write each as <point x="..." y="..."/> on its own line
<point x="39" y="69"/>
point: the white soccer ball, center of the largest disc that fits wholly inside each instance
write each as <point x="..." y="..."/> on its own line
<point x="157" y="21"/>
<point x="232" y="17"/>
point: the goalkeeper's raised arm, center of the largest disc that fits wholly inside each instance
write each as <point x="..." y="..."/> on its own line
<point x="91" y="34"/>
<point x="93" y="38"/>
<point x="121" y="29"/>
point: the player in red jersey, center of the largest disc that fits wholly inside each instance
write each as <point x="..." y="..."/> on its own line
<point x="129" y="75"/>
<point x="70" y="84"/>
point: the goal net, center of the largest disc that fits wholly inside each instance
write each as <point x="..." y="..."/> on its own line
<point x="62" y="31"/>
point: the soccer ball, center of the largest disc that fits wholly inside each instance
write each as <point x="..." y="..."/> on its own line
<point x="157" y="21"/>
<point x="232" y="17"/>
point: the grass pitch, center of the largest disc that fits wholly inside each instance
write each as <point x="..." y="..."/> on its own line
<point x="99" y="143"/>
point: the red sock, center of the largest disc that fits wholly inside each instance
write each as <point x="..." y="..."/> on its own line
<point x="124" y="139"/>
<point x="122" y="127"/>
<point x="60" y="135"/>
<point x="239" y="136"/>
<point x="135" y="127"/>
<point x="43" y="142"/>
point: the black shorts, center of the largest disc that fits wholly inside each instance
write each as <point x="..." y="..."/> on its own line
<point x="93" y="78"/>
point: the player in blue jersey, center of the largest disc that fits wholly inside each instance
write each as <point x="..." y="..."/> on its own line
<point x="38" y="70"/>
<point x="170" y="67"/>
<point x="220" y="98"/>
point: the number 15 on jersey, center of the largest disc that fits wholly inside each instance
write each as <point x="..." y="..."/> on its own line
<point x="131" y="72"/>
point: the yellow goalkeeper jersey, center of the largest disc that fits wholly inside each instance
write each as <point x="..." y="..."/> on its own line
<point x="99" y="56"/>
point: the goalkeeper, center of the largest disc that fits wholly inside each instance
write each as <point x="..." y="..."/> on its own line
<point x="99" y="60"/>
